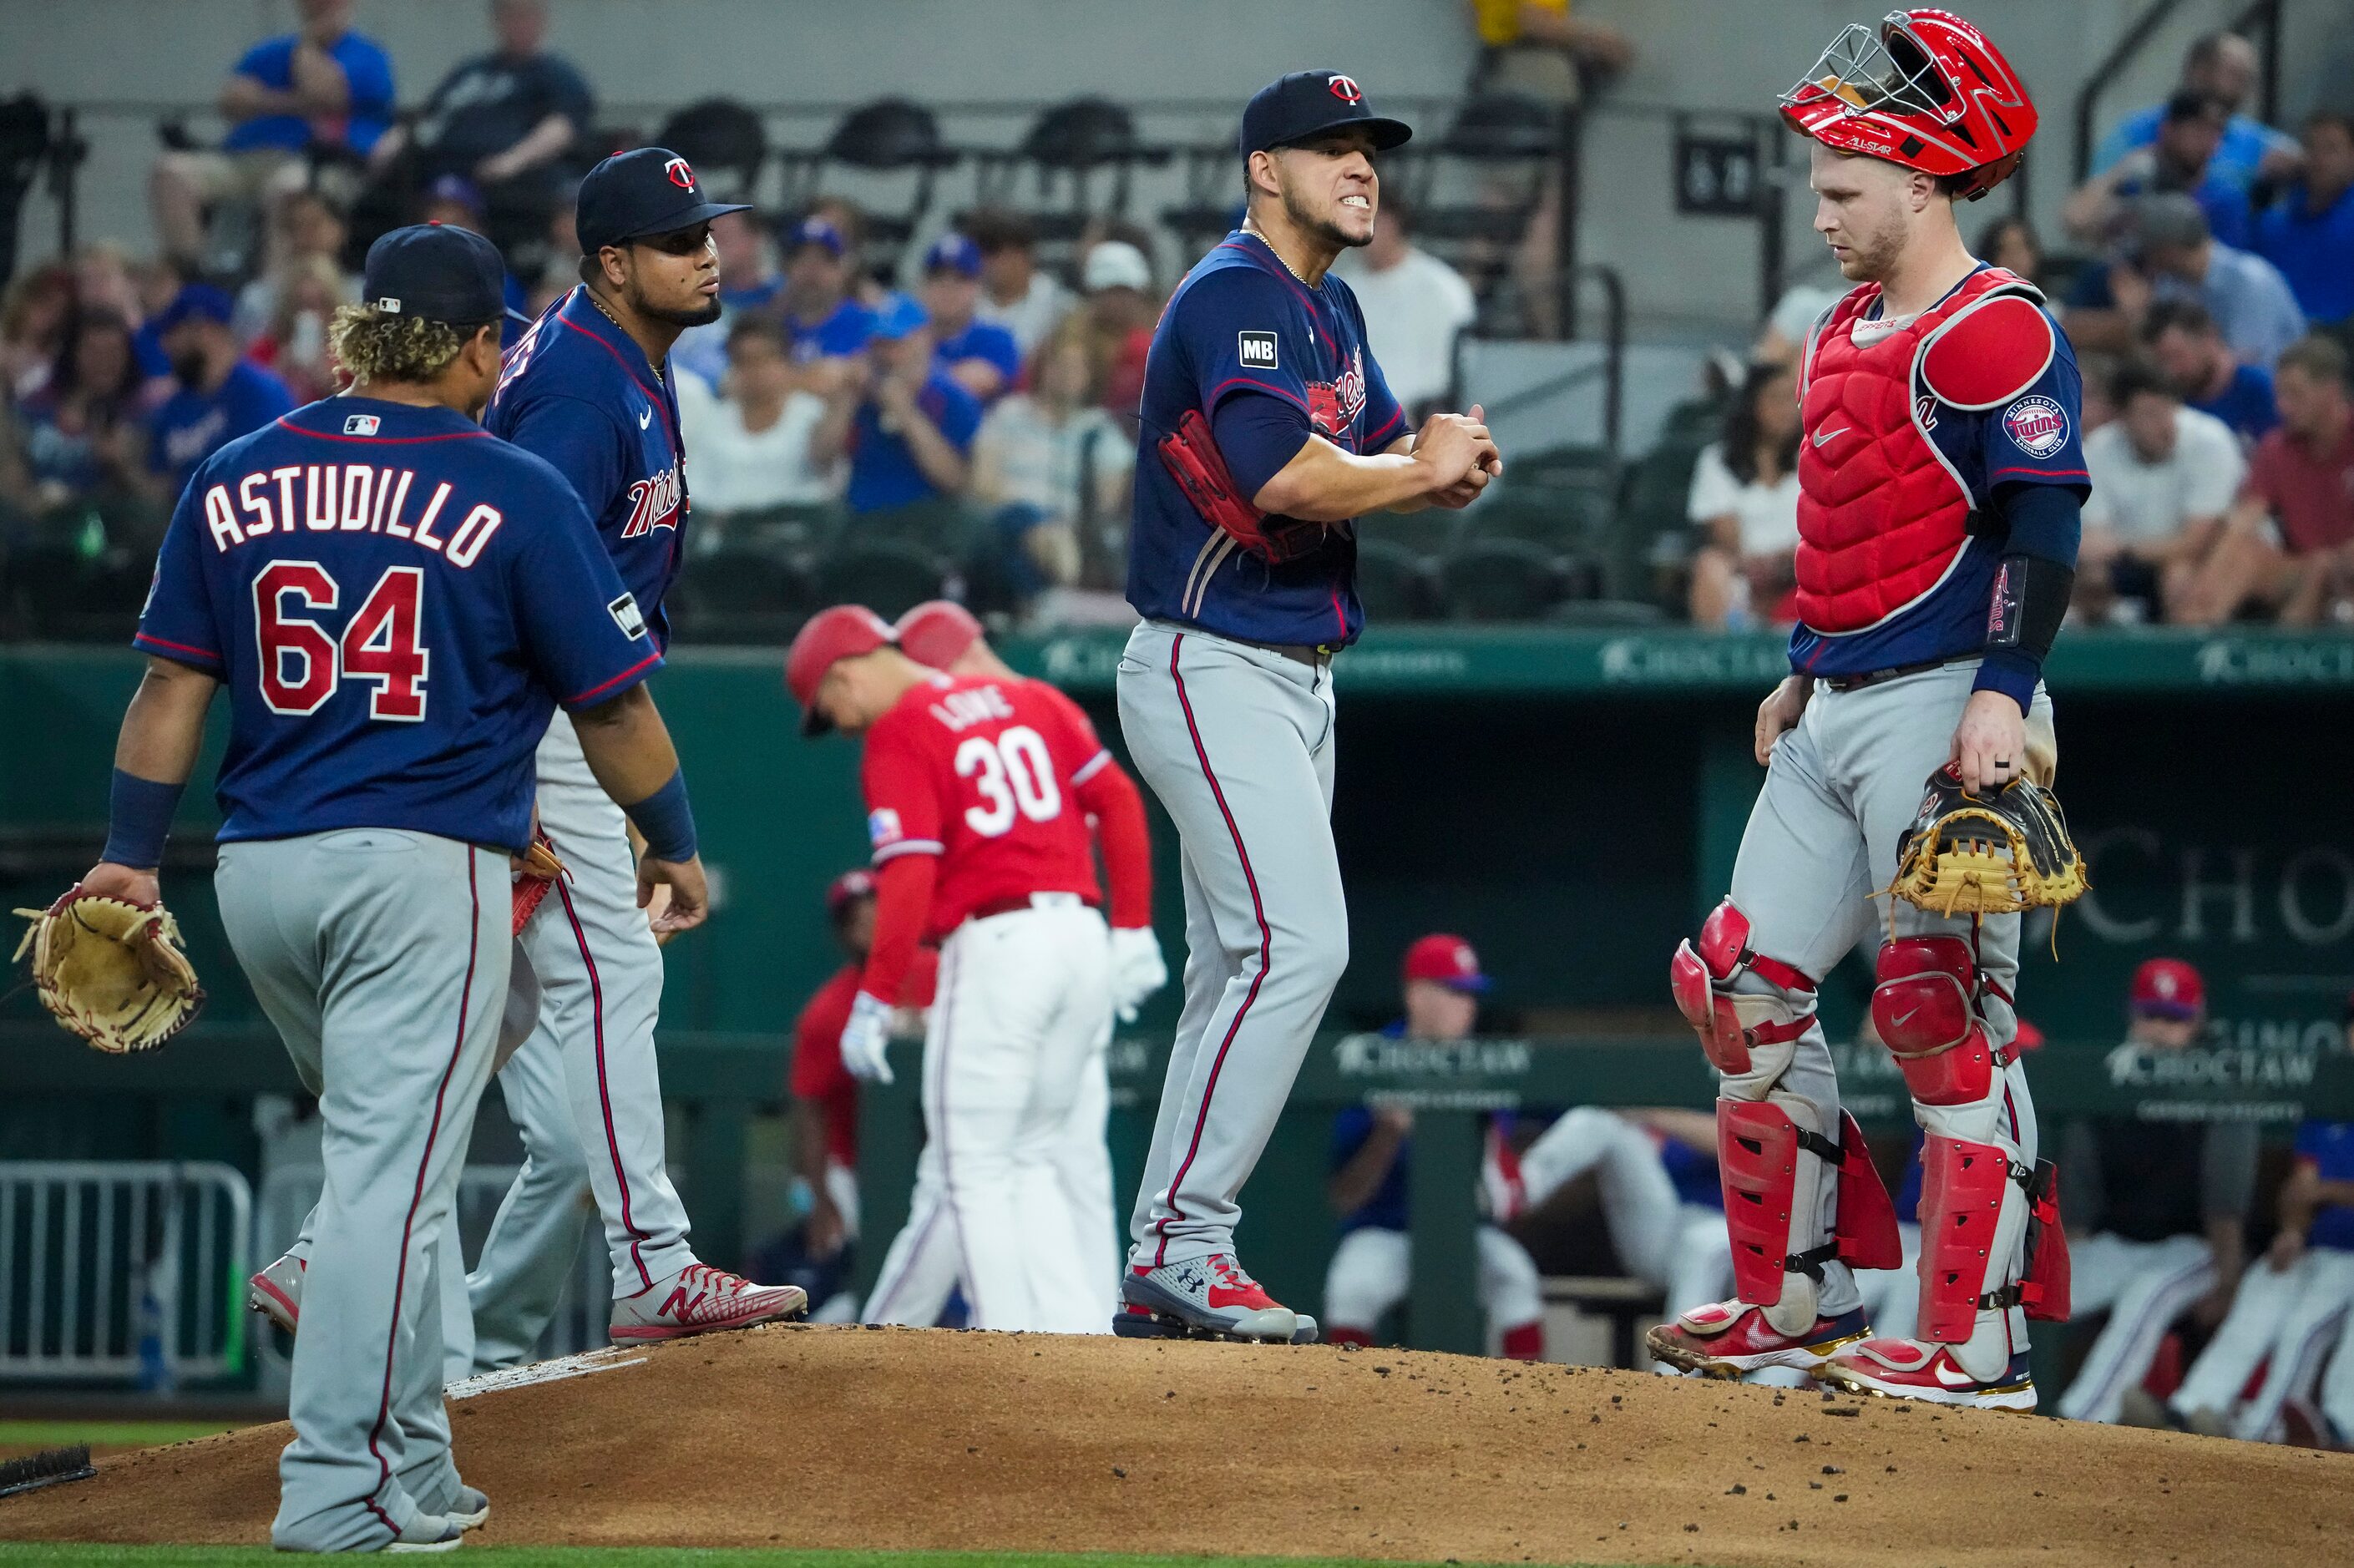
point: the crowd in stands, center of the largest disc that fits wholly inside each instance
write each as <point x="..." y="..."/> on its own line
<point x="956" y="413"/>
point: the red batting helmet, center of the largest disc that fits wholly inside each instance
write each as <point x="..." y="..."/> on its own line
<point x="846" y="632"/>
<point x="1926" y="91"/>
<point x="937" y="632"/>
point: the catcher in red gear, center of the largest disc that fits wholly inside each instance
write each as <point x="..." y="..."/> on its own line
<point x="1940" y="480"/>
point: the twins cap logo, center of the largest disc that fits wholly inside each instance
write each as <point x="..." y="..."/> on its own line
<point x="680" y="174"/>
<point x="362" y="425"/>
<point x="1346" y="89"/>
<point x="625" y="614"/>
<point x="2036" y="425"/>
<point x="1256" y="350"/>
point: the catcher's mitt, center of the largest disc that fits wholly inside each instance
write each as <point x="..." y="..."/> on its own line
<point x="1988" y="854"/>
<point x="112" y="970"/>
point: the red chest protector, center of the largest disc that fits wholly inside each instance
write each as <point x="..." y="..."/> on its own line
<point x="1883" y="515"/>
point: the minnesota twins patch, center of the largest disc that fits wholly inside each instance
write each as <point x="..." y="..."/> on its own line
<point x="2036" y="425"/>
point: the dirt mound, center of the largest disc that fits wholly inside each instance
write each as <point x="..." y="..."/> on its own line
<point x="904" y="1438"/>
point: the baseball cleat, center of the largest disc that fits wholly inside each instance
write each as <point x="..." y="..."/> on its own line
<point x="471" y="1509"/>
<point x="701" y="1299"/>
<point x="1729" y="1338"/>
<point x="1207" y="1298"/>
<point x="428" y="1532"/>
<point x="277" y="1292"/>
<point x="1306" y="1332"/>
<point x="1915" y="1368"/>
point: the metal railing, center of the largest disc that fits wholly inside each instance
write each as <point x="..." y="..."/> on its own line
<point x="128" y="1271"/>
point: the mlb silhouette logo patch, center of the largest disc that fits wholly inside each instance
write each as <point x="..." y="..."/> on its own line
<point x="1257" y="350"/>
<point x="362" y="425"/>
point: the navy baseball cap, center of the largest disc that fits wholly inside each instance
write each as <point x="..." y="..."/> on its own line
<point x="645" y="191"/>
<point x="436" y="273"/>
<point x="1293" y="109"/>
<point x="952" y="252"/>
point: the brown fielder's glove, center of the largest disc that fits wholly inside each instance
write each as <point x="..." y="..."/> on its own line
<point x="536" y="871"/>
<point x="112" y="970"/>
<point x="1191" y="455"/>
<point x="1988" y="854"/>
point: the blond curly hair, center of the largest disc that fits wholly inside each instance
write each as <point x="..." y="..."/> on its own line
<point x="373" y="345"/>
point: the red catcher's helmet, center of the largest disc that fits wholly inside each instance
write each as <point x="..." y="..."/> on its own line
<point x="1927" y="91"/>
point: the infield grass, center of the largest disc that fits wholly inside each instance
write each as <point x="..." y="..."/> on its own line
<point x="42" y="1555"/>
<point x="25" y="1437"/>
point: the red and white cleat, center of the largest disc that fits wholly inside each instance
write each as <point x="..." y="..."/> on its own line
<point x="1205" y="1298"/>
<point x="701" y="1299"/>
<point x="1912" y="1369"/>
<point x="277" y="1292"/>
<point x="1727" y="1339"/>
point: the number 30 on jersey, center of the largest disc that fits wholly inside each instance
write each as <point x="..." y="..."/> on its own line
<point x="1013" y="772"/>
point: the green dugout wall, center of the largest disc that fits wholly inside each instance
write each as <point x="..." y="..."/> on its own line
<point x="1570" y="800"/>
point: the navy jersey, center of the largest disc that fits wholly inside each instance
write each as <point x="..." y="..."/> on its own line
<point x="2034" y="438"/>
<point x="1241" y="324"/>
<point x="579" y="392"/>
<point x="396" y="602"/>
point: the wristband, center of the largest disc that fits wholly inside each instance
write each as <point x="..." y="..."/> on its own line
<point x="666" y="821"/>
<point x="138" y="819"/>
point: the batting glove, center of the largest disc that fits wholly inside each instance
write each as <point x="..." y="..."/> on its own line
<point x="866" y="1038"/>
<point x="1137" y="970"/>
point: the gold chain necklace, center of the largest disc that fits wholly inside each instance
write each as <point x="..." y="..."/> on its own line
<point x="1271" y="251"/>
<point x="610" y="316"/>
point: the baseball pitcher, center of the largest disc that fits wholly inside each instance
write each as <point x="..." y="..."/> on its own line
<point x="1940" y="480"/>
<point x="1267" y="432"/>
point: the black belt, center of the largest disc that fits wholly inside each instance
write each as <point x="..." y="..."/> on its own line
<point x="1875" y="677"/>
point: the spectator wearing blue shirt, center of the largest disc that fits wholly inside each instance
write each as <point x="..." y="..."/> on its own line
<point x="2180" y="159"/>
<point x="2190" y="353"/>
<point x="323" y="86"/>
<point x="822" y="318"/>
<point x="2309" y="235"/>
<point x="2246" y="294"/>
<point x="80" y="432"/>
<point x="906" y="428"/>
<point x="978" y="356"/>
<point x="222" y="394"/>
<point x="2222" y="65"/>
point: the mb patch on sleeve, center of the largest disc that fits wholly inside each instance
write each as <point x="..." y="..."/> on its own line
<point x="1256" y="350"/>
<point x="624" y="611"/>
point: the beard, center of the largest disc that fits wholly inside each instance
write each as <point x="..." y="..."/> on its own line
<point x="1324" y="230"/>
<point x="1872" y="257"/>
<point x="700" y="314"/>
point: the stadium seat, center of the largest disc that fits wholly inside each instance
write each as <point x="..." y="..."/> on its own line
<point x="1503" y="579"/>
<point x="889" y="135"/>
<point x="888" y="578"/>
<point x="724" y="141"/>
<point x="736" y="595"/>
<point x="1065" y="148"/>
<point x="1394" y="582"/>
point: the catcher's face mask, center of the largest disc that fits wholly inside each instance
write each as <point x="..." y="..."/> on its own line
<point x="1924" y="89"/>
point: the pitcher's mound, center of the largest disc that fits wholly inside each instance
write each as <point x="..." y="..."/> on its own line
<point x="900" y="1438"/>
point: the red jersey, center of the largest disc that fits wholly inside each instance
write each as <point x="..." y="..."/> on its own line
<point x="981" y="771"/>
<point x="817" y="1074"/>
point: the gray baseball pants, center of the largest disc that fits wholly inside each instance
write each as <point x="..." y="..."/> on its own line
<point x="1237" y="742"/>
<point x="381" y="958"/>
